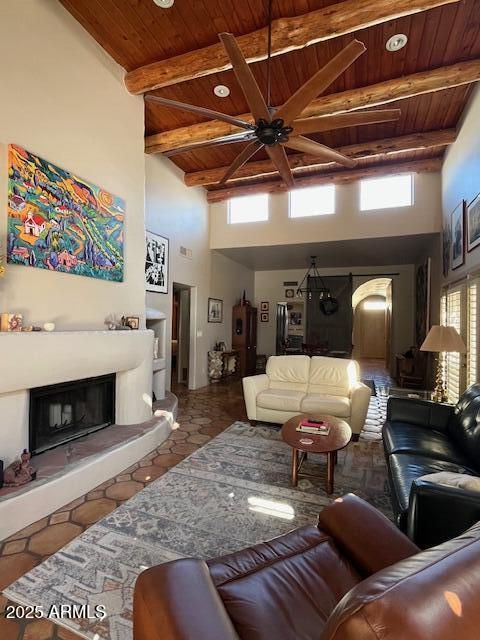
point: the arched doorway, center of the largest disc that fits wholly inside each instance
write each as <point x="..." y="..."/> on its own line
<point x="372" y="313"/>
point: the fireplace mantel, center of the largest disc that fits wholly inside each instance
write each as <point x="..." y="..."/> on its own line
<point x="35" y="359"/>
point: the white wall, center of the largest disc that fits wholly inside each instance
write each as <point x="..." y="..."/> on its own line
<point x="269" y="287"/>
<point x="64" y="99"/>
<point x="347" y="223"/>
<point x="181" y="214"/>
<point x="461" y="175"/>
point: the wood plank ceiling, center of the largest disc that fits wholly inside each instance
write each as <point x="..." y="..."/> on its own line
<point x="137" y="32"/>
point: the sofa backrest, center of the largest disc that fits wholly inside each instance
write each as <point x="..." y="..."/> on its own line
<point x="332" y="376"/>
<point x="433" y="594"/>
<point x="464" y="425"/>
<point x="288" y="372"/>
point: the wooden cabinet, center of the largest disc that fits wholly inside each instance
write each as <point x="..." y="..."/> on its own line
<point x="244" y="337"/>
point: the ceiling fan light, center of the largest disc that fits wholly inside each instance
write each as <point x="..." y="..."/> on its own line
<point x="164" y="4"/>
<point x="396" y="42"/>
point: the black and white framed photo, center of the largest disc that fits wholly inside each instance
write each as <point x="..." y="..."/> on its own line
<point x="473" y="223"/>
<point x="264" y="306"/>
<point x="264" y="316"/>
<point x="215" y="310"/>
<point x="458" y="236"/>
<point x="156" y="263"/>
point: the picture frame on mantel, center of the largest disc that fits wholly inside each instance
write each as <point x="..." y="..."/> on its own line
<point x="457" y="220"/>
<point x="473" y="223"/>
<point x="156" y="262"/>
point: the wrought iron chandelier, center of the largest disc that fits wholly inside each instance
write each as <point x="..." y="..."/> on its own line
<point x="310" y="287"/>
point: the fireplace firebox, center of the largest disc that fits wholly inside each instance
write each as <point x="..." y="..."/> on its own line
<point x="63" y="412"/>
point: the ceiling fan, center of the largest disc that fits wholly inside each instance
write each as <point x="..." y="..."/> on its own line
<point x="274" y="129"/>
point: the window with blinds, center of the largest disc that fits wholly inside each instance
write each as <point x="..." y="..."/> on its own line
<point x="472" y="332"/>
<point x="452" y="316"/>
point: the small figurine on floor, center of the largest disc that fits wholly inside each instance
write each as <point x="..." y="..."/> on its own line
<point x="20" y="471"/>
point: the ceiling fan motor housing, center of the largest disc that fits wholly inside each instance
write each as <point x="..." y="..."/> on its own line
<point x="272" y="133"/>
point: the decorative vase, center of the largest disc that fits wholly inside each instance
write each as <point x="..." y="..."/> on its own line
<point x="215" y="365"/>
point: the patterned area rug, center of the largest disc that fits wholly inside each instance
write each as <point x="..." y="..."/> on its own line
<point x="233" y="492"/>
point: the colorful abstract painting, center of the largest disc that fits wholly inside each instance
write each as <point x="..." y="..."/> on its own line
<point x="60" y="222"/>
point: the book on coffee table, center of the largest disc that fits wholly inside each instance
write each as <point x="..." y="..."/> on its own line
<point x="317" y="427"/>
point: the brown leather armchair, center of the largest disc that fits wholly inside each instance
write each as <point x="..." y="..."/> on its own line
<point x="354" y="577"/>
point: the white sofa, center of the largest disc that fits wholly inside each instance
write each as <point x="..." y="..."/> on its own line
<point x="299" y="384"/>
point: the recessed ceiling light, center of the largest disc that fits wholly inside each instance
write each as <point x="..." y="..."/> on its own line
<point x="221" y="91"/>
<point x="165" y="4"/>
<point x="396" y="42"/>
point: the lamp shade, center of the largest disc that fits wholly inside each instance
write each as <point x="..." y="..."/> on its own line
<point x="440" y="339"/>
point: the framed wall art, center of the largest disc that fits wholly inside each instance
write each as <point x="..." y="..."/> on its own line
<point x="473" y="223"/>
<point x="215" y="310"/>
<point x="156" y="263"/>
<point x="264" y="306"/>
<point x="60" y="222"/>
<point x="264" y="317"/>
<point x="289" y="293"/>
<point x="457" y="221"/>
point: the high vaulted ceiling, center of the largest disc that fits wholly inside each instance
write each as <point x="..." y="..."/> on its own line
<point x="429" y="80"/>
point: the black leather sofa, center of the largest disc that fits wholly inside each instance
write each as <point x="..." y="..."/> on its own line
<point x="422" y="437"/>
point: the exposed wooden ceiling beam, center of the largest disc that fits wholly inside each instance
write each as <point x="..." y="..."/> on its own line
<point x="331" y="177"/>
<point x="301" y="161"/>
<point x="370" y="96"/>
<point x="288" y="34"/>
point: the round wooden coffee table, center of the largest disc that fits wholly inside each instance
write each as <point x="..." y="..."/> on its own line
<point x="304" y="443"/>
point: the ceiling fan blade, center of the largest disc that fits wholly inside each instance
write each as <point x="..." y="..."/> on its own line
<point x="279" y="158"/>
<point x="299" y="143"/>
<point x="242" y="137"/>
<point x="202" y="111"/>
<point x="243" y="157"/>
<point x="343" y="120"/>
<point x="245" y="78"/>
<point x="294" y="106"/>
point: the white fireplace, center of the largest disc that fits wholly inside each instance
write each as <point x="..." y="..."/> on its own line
<point x="30" y="360"/>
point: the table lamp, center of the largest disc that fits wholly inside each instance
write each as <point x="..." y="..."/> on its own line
<point x="442" y="339"/>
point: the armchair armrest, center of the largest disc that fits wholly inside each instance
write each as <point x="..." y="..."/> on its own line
<point x="252" y="385"/>
<point x="359" y="398"/>
<point x="366" y="535"/>
<point x="178" y="601"/>
<point x="439" y="511"/>
<point x="424" y="413"/>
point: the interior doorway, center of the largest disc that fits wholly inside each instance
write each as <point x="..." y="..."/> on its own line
<point x="281" y="328"/>
<point x="372" y="321"/>
<point x="180" y="346"/>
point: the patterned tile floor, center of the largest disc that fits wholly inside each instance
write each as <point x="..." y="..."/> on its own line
<point x="203" y="414"/>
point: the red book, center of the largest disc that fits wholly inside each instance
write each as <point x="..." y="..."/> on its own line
<point x="321" y="425"/>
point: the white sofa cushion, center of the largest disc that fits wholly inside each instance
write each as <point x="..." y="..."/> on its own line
<point x="326" y="404"/>
<point x="332" y="376"/>
<point x="288" y="372"/>
<point x="281" y="399"/>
